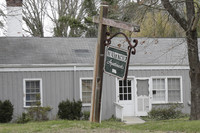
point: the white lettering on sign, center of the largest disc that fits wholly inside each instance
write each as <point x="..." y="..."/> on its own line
<point x="117" y="56"/>
<point x="114" y="64"/>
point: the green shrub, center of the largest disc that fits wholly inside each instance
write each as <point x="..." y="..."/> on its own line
<point x="70" y="110"/>
<point x="24" y="118"/>
<point x="113" y="118"/>
<point x="171" y="112"/>
<point x="6" y="111"/>
<point x="86" y="115"/>
<point x="38" y="113"/>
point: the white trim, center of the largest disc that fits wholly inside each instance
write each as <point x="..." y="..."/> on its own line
<point x="24" y="89"/>
<point x="78" y="67"/>
<point x="166" y="89"/>
<point x="80" y="83"/>
<point x="159" y="67"/>
<point x="44" y="69"/>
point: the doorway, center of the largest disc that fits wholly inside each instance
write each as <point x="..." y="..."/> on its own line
<point x="143" y="99"/>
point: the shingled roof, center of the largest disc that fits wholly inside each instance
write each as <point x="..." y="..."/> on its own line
<point x="160" y="51"/>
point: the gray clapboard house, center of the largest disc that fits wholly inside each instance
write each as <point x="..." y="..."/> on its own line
<point x="62" y="68"/>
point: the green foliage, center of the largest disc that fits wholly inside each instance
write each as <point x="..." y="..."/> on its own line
<point x="24" y="118"/>
<point x="158" y="24"/>
<point x="113" y="118"/>
<point x="76" y="27"/>
<point x="86" y="115"/>
<point x="6" y="111"/>
<point x="38" y="113"/>
<point x="173" y="111"/>
<point x="70" y="110"/>
<point x="89" y="7"/>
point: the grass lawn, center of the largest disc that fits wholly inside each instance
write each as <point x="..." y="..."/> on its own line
<point x="64" y="126"/>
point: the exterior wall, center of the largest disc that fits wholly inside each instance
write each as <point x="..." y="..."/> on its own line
<point x="185" y="80"/>
<point x="57" y="86"/>
<point x="62" y="85"/>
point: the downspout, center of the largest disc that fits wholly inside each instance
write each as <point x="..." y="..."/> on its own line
<point x="74" y="83"/>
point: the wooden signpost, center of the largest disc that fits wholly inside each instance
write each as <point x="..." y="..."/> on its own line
<point x="95" y="113"/>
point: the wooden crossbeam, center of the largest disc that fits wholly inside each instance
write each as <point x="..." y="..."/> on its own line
<point x="117" y="24"/>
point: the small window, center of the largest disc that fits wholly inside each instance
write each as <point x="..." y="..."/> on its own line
<point x="159" y="90"/>
<point x="125" y="92"/>
<point x="86" y="87"/>
<point x="32" y="92"/>
<point x="174" y="89"/>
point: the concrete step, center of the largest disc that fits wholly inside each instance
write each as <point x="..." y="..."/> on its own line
<point x="132" y="120"/>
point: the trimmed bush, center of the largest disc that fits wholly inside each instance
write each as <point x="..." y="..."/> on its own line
<point x="70" y="110"/>
<point x="6" y="111"/>
<point x="171" y="112"/>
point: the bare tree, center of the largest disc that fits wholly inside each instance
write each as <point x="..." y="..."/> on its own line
<point x="67" y="17"/>
<point x="189" y="24"/>
<point x="33" y="16"/>
<point x="1" y="15"/>
<point x="2" y="18"/>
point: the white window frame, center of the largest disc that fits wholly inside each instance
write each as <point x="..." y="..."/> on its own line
<point x="166" y="89"/>
<point x="132" y="78"/>
<point x="85" y="78"/>
<point x="24" y="88"/>
<point x="132" y="97"/>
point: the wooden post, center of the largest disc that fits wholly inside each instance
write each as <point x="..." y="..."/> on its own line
<point x="98" y="67"/>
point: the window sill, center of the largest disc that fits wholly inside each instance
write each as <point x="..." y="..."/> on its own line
<point x="86" y="104"/>
<point x="31" y="106"/>
<point x="165" y="102"/>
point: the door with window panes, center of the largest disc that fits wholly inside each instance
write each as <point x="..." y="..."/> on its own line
<point x="125" y="96"/>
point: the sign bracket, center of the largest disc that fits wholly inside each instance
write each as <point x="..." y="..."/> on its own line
<point x="131" y="48"/>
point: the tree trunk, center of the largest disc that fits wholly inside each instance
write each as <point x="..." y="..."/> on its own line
<point x="194" y="74"/>
<point x="193" y="57"/>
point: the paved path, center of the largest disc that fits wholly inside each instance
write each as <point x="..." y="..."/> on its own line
<point x="133" y="120"/>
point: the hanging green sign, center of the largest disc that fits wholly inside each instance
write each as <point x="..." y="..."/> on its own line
<point x="116" y="61"/>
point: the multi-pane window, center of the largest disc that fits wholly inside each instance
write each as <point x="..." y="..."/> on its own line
<point x="32" y="90"/>
<point x="174" y="89"/>
<point x="159" y="90"/>
<point x="86" y="91"/>
<point x="125" y="92"/>
<point x="166" y="90"/>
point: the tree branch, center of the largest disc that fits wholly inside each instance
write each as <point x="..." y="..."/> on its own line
<point x="196" y="19"/>
<point x="173" y="12"/>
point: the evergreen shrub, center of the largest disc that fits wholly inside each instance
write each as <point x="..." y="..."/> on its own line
<point x="6" y="111"/>
<point x="70" y="110"/>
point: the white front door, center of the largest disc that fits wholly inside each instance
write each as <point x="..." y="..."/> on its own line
<point x="125" y="96"/>
<point x="143" y="100"/>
